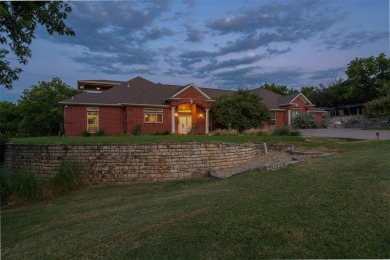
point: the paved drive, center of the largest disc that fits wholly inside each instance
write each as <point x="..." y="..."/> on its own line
<point x="352" y="133"/>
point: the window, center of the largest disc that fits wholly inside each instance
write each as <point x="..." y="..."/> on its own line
<point x="153" y="115"/>
<point x="273" y="118"/>
<point x="93" y="109"/>
<point x="185" y="108"/>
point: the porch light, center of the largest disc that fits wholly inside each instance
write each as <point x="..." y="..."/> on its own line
<point x="200" y="115"/>
<point x="176" y="114"/>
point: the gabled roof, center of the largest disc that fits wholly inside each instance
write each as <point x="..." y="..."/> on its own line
<point x="270" y="98"/>
<point x="140" y="91"/>
<point x="288" y="100"/>
<point x="189" y="86"/>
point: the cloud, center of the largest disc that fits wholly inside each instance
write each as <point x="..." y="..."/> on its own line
<point x="328" y="74"/>
<point x="194" y="35"/>
<point x="343" y="41"/>
<point x="156" y="33"/>
<point x="254" y="76"/>
<point x="285" y="16"/>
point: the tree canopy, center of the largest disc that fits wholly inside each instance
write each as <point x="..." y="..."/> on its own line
<point x="241" y="110"/>
<point x="367" y="80"/>
<point x="37" y="112"/>
<point x="18" y="23"/>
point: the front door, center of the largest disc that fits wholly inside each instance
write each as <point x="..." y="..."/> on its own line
<point x="185" y="124"/>
<point x="93" y="122"/>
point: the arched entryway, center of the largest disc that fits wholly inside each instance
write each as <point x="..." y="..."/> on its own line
<point x="188" y="117"/>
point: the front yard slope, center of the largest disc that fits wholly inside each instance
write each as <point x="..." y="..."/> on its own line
<point x="325" y="207"/>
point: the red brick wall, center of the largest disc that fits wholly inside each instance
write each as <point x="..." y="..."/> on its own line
<point x="75" y="120"/>
<point x="135" y="115"/>
<point x="111" y="120"/>
<point x="195" y="95"/>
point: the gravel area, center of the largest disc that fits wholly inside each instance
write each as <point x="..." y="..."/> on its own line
<point x="273" y="160"/>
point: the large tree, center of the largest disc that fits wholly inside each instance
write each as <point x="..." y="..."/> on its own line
<point x="241" y="110"/>
<point x="367" y="77"/>
<point x="9" y="118"/>
<point x="40" y="110"/>
<point x="18" y="22"/>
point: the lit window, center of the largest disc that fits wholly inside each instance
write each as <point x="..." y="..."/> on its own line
<point x="183" y="108"/>
<point x="153" y="115"/>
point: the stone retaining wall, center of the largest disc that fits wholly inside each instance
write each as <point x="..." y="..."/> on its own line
<point x="121" y="163"/>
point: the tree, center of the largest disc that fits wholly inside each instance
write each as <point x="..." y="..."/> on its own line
<point x="241" y="110"/>
<point x="367" y="77"/>
<point x="378" y="108"/>
<point x="40" y="110"/>
<point x="9" y="118"/>
<point x="18" y="22"/>
<point x="280" y="89"/>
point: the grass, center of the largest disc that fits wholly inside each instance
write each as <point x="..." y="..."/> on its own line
<point x="324" y="207"/>
<point x="325" y="144"/>
<point x="149" y="139"/>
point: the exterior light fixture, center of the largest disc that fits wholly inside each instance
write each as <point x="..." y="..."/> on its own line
<point x="176" y="114"/>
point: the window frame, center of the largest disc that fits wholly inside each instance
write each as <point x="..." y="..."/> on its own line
<point x="149" y="112"/>
<point x="272" y="121"/>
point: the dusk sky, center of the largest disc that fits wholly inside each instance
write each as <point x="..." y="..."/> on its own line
<point x="216" y="43"/>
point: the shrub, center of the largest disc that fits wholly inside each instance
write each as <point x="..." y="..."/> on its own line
<point x="67" y="178"/>
<point x="86" y="134"/>
<point x="193" y="130"/>
<point x="20" y="186"/>
<point x="305" y="121"/>
<point x="3" y="141"/>
<point x="258" y="131"/>
<point x="285" y="131"/>
<point x="5" y="191"/>
<point x="162" y="133"/>
<point x="377" y="108"/>
<point x="101" y="133"/>
<point x="137" y="130"/>
<point x="225" y="132"/>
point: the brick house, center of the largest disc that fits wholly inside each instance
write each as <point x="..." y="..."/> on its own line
<point x="117" y="107"/>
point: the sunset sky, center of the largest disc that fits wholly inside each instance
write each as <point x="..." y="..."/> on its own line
<point x="221" y="44"/>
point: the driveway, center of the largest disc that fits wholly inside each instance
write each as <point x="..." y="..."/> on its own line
<point x="352" y="133"/>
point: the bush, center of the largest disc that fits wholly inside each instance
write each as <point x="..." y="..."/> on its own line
<point x="86" y="134"/>
<point x="258" y="131"/>
<point x="3" y="141"/>
<point x="193" y="130"/>
<point x="137" y="130"/>
<point x="67" y="178"/>
<point x="101" y="133"/>
<point x="225" y="132"/>
<point x="21" y="186"/>
<point x="285" y="131"/>
<point x="5" y="191"/>
<point x="377" y="108"/>
<point x="305" y="121"/>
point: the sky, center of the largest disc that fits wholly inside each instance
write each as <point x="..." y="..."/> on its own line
<point x="228" y="44"/>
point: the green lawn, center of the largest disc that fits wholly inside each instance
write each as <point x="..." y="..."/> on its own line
<point x="302" y="142"/>
<point x="151" y="139"/>
<point x="324" y="207"/>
